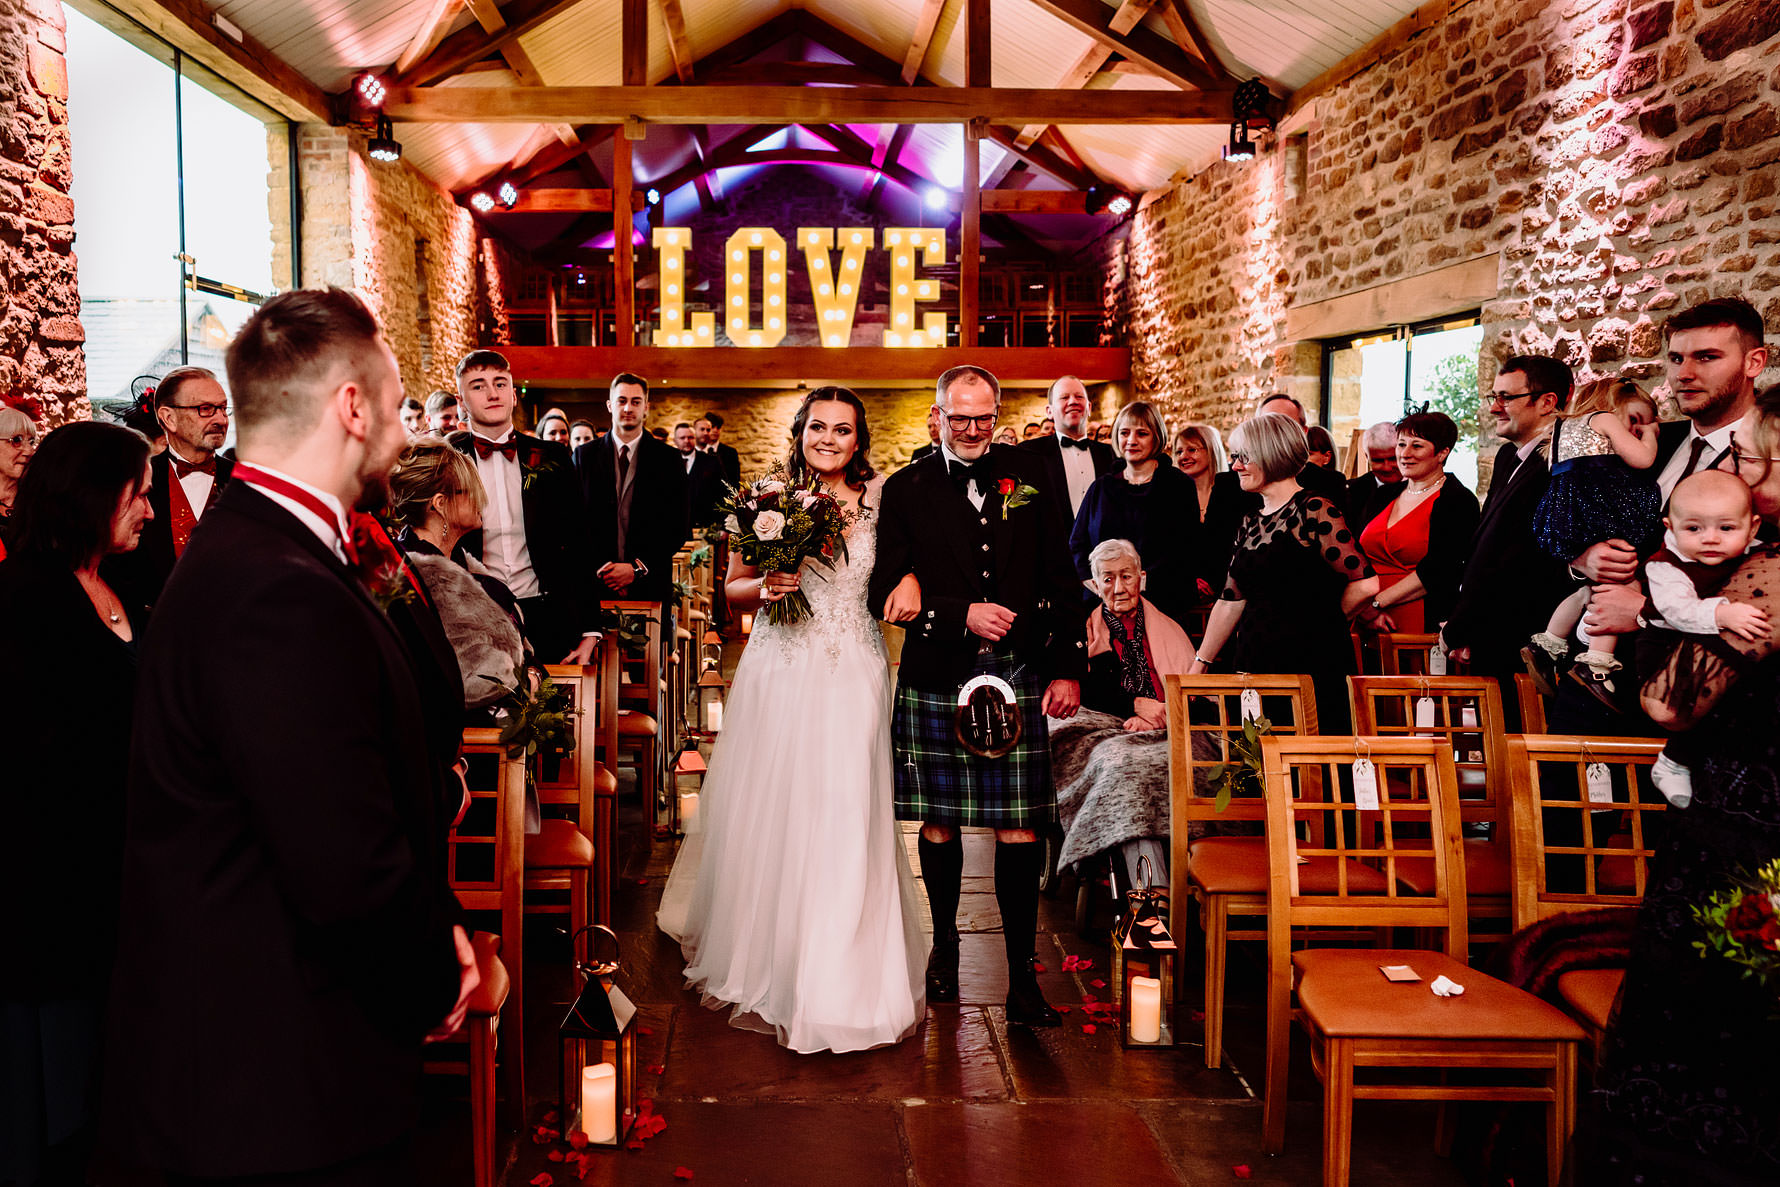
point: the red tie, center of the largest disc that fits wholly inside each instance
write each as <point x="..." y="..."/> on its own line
<point x="485" y="447"/>
<point x="254" y="476"/>
<point x="182" y="468"/>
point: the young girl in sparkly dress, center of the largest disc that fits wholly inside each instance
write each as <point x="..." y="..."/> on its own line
<point x="1603" y="487"/>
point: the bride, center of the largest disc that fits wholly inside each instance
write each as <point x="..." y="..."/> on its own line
<point x="793" y="904"/>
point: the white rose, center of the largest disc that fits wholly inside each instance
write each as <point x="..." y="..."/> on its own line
<point x="805" y="498"/>
<point x="769" y="526"/>
<point x="772" y="487"/>
<point x="733" y="526"/>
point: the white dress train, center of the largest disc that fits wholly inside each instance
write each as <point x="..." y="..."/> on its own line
<point x="792" y="899"/>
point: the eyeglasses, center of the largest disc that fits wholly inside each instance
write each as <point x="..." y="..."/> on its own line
<point x="1238" y="459"/>
<point x="204" y="411"/>
<point x="22" y="441"/>
<point x="1506" y="398"/>
<point x="984" y="422"/>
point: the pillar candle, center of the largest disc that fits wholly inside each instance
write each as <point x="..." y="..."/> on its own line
<point x="715" y="714"/>
<point x="1146" y="1010"/>
<point x="599" y="1102"/>
<point x="689" y="812"/>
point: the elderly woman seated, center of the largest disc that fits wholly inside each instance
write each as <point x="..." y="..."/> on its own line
<point x="1110" y="761"/>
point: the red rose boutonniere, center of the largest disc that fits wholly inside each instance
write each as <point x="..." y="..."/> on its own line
<point x="1014" y="494"/>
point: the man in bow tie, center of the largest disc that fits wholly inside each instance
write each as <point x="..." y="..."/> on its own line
<point x="1071" y="461"/>
<point x="186" y="480"/>
<point x="534" y="535"/>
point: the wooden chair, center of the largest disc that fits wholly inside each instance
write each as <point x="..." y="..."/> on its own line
<point x="485" y="866"/>
<point x="563" y="854"/>
<point x="1225" y="875"/>
<point x="642" y="716"/>
<point x="1532" y="705"/>
<point x="1554" y="819"/>
<point x="1467" y="716"/>
<point x="1404" y="655"/>
<point x="1355" y="1018"/>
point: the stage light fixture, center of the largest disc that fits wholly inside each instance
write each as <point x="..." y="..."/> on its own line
<point x="371" y="89"/>
<point x="1105" y="199"/>
<point x="481" y="203"/>
<point x="652" y="196"/>
<point x="935" y="198"/>
<point x="384" y="146"/>
<point x="1248" y="107"/>
<point x="1120" y="205"/>
<point x="508" y="194"/>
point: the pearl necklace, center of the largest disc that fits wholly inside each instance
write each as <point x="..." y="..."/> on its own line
<point x="1411" y="489"/>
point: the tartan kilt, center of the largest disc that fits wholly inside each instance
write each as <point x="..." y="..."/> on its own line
<point x="939" y="782"/>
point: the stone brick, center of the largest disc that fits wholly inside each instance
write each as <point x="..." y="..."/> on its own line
<point x="61" y="329"/>
<point x="49" y="70"/>
<point x="1700" y="144"/>
<point x="1634" y="74"/>
<point x="1659" y="123"/>
<point x="1649" y="25"/>
<point x="1747" y="23"/>
<point x="1753" y="128"/>
<point x="1460" y="116"/>
<point x="1722" y="98"/>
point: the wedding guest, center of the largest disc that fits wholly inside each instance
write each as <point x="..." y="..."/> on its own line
<point x="444" y="414"/>
<point x="188" y="478"/>
<point x="708" y="429"/>
<point x="1199" y="454"/>
<point x="1322" y="480"/>
<point x="932" y="434"/>
<point x="1006" y="436"/>
<point x="284" y="889"/>
<point x="18" y="441"/>
<point x="1322" y="447"/>
<point x="1047" y="427"/>
<point x="534" y="532"/>
<point x="141" y="417"/>
<point x="1417" y="531"/>
<point x="581" y="432"/>
<point x="413" y="417"/>
<point x="1149" y="503"/>
<point x="1131" y="643"/>
<point x="1071" y="461"/>
<point x="1030" y="431"/>
<point x="704" y="478"/>
<point x="1381" y="471"/>
<point x="634" y="488"/>
<point x="1297" y="577"/>
<point x="554" y="427"/>
<point x="1102" y="432"/>
<point x="437" y="496"/>
<point x="1510" y="583"/>
<point x="73" y="645"/>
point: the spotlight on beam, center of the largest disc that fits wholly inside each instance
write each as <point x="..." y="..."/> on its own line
<point x="1106" y="199"/>
<point x="481" y="203"/>
<point x="935" y="198"/>
<point x="1119" y="206"/>
<point x="384" y="146"/>
<point x="1248" y="108"/>
<point x="652" y="196"/>
<point x="508" y="194"/>
<point x="371" y="89"/>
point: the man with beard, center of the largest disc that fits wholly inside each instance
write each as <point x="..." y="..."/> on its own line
<point x="284" y="864"/>
<point x="186" y="480"/>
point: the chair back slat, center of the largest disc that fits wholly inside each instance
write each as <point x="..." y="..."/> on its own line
<point x="1312" y="817"/>
<point x="486" y="855"/>
<point x="1531" y="703"/>
<point x="1467" y="716"/>
<point x="1571" y="852"/>
<point x="1403" y="654"/>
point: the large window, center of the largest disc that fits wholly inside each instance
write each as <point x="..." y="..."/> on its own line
<point x="1380" y="376"/>
<point x="172" y="212"/>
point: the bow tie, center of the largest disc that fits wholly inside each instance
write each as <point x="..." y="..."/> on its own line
<point x="963" y="472"/>
<point x="485" y="448"/>
<point x="1074" y="442"/>
<point x="182" y="468"/>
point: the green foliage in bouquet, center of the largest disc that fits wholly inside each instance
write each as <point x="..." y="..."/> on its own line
<point x="1742" y="925"/>
<point x="1241" y="775"/>
<point x="535" y="721"/>
<point x="776" y="524"/>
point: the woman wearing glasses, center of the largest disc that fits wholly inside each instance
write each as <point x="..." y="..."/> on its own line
<point x="18" y="441"/>
<point x="1296" y="579"/>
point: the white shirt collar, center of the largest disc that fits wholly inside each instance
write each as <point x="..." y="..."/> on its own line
<point x="494" y="440"/>
<point x="330" y="534"/>
<point x="1719" y="439"/>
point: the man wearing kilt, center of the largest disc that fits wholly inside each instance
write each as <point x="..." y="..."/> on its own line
<point x="997" y="597"/>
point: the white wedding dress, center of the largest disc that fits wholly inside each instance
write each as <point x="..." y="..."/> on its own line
<point x="792" y="900"/>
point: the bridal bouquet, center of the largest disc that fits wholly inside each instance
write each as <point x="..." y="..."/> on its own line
<point x="776" y="525"/>
<point x="1742" y="925"/>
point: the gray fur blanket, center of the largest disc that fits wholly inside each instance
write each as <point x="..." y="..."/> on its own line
<point x="1112" y="786"/>
<point x="489" y="649"/>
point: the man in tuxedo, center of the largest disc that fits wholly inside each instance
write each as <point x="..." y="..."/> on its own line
<point x="1071" y="461"/>
<point x="634" y="488"/>
<point x="186" y="480"/>
<point x="444" y="415"/>
<point x="534" y="537"/>
<point x="1381" y="461"/>
<point x="289" y="939"/>
<point x="997" y="599"/>
<point x="704" y="481"/>
<point x="709" y="431"/>
<point x="1321" y="480"/>
<point x="1510" y="583"/>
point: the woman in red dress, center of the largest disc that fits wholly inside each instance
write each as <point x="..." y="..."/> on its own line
<point x="1418" y="531"/>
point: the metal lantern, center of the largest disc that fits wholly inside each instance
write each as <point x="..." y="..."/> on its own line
<point x="711" y="686"/>
<point x="597" y="1088"/>
<point x="1144" y="957"/>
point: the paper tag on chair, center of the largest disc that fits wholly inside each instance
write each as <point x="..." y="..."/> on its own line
<point x="1365" y="785"/>
<point x="1251" y="704"/>
<point x="1437" y="660"/>
<point x="1600" y="783"/>
<point x="1424" y="713"/>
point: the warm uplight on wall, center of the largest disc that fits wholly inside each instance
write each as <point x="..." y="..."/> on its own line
<point x="738" y="267"/>
<point x="904" y="244"/>
<point x="836" y="301"/>
<point x="671" y="244"/>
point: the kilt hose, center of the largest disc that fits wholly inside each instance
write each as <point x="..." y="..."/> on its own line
<point x="939" y="782"/>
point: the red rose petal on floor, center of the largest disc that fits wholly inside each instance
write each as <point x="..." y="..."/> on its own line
<point x="1198" y="1015"/>
<point x="1037" y="967"/>
<point x="1062" y="1009"/>
<point x="655" y="1069"/>
<point x="642" y="881"/>
<point x="1088" y="1028"/>
<point x="644" y="1030"/>
<point x="550" y="1116"/>
<point x="1242" y="1171"/>
<point x="634" y="1144"/>
<point x="1089" y="999"/>
<point x="542" y="1179"/>
<point x="578" y="1140"/>
<point x="682" y="1172"/>
<point x="554" y="1156"/>
<point x="1098" y="983"/>
<point x="645" y="1106"/>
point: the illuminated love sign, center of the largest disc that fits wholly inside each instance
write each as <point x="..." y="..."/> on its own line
<point x="834" y="287"/>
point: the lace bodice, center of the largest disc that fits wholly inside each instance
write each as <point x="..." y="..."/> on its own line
<point x="838" y="596"/>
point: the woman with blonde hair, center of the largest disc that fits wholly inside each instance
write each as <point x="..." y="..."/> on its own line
<point x="1199" y="454"/>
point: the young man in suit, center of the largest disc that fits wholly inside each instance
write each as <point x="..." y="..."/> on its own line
<point x="187" y="478"/>
<point x="997" y="598"/>
<point x="704" y="481"/>
<point x="634" y="488"/>
<point x="1510" y="583"/>
<point x="534" y="537"/>
<point x="708" y="429"/>
<point x="932" y="445"/>
<point x="444" y="415"/>
<point x="1071" y="461"/>
<point x="284" y="872"/>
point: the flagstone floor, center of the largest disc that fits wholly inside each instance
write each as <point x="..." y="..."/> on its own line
<point x="966" y="1100"/>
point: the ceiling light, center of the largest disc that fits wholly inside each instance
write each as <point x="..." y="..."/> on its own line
<point x="371" y="89"/>
<point x="1249" y="105"/>
<point x="384" y="146"/>
<point x="481" y="203"/>
<point x="652" y="196"/>
<point x="1120" y="205"/>
<point x="935" y="198"/>
<point x="508" y="194"/>
<point x="1104" y="198"/>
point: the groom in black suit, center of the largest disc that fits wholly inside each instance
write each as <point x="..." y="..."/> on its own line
<point x="289" y="939"/>
<point x="634" y="488"/>
<point x="985" y="540"/>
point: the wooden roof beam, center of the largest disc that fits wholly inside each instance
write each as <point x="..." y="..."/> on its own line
<point x="1037" y="156"/>
<point x="475" y="42"/>
<point x="679" y="48"/>
<point x="567" y="201"/>
<point x="801" y="105"/>
<point x="186" y="25"/>
<point x="432" y="30"/>
<point x="1084" y="68"/>
<point x="925" y="24"/>
<point x="1187" y="34"/>
<point x="1159" y="55"/>
<point x="547" y="159"/>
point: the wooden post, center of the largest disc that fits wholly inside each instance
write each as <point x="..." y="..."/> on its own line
<point x="624" y="288"/>
<point x="550" y="332"/>
<point x="977" y="73"/>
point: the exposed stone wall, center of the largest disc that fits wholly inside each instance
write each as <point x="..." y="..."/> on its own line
<point x="1622" y="156"/>
<point x="42" y="367"/>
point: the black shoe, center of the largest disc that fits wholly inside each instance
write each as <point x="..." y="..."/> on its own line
<point x="942" y="971"/>
<point x="1542" y="667"/>
<point x="1026" y="1006"/>
<point x="1599" y="685"/>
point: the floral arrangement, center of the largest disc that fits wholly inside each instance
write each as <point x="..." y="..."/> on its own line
<point x="1742" y="925"/>
<point x="382" y="568"/>
<point x="536" y="717"/>
<point x="777" y="524"/>
<point x="1014" y="495"/>
<point x="1241" y="775"/>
